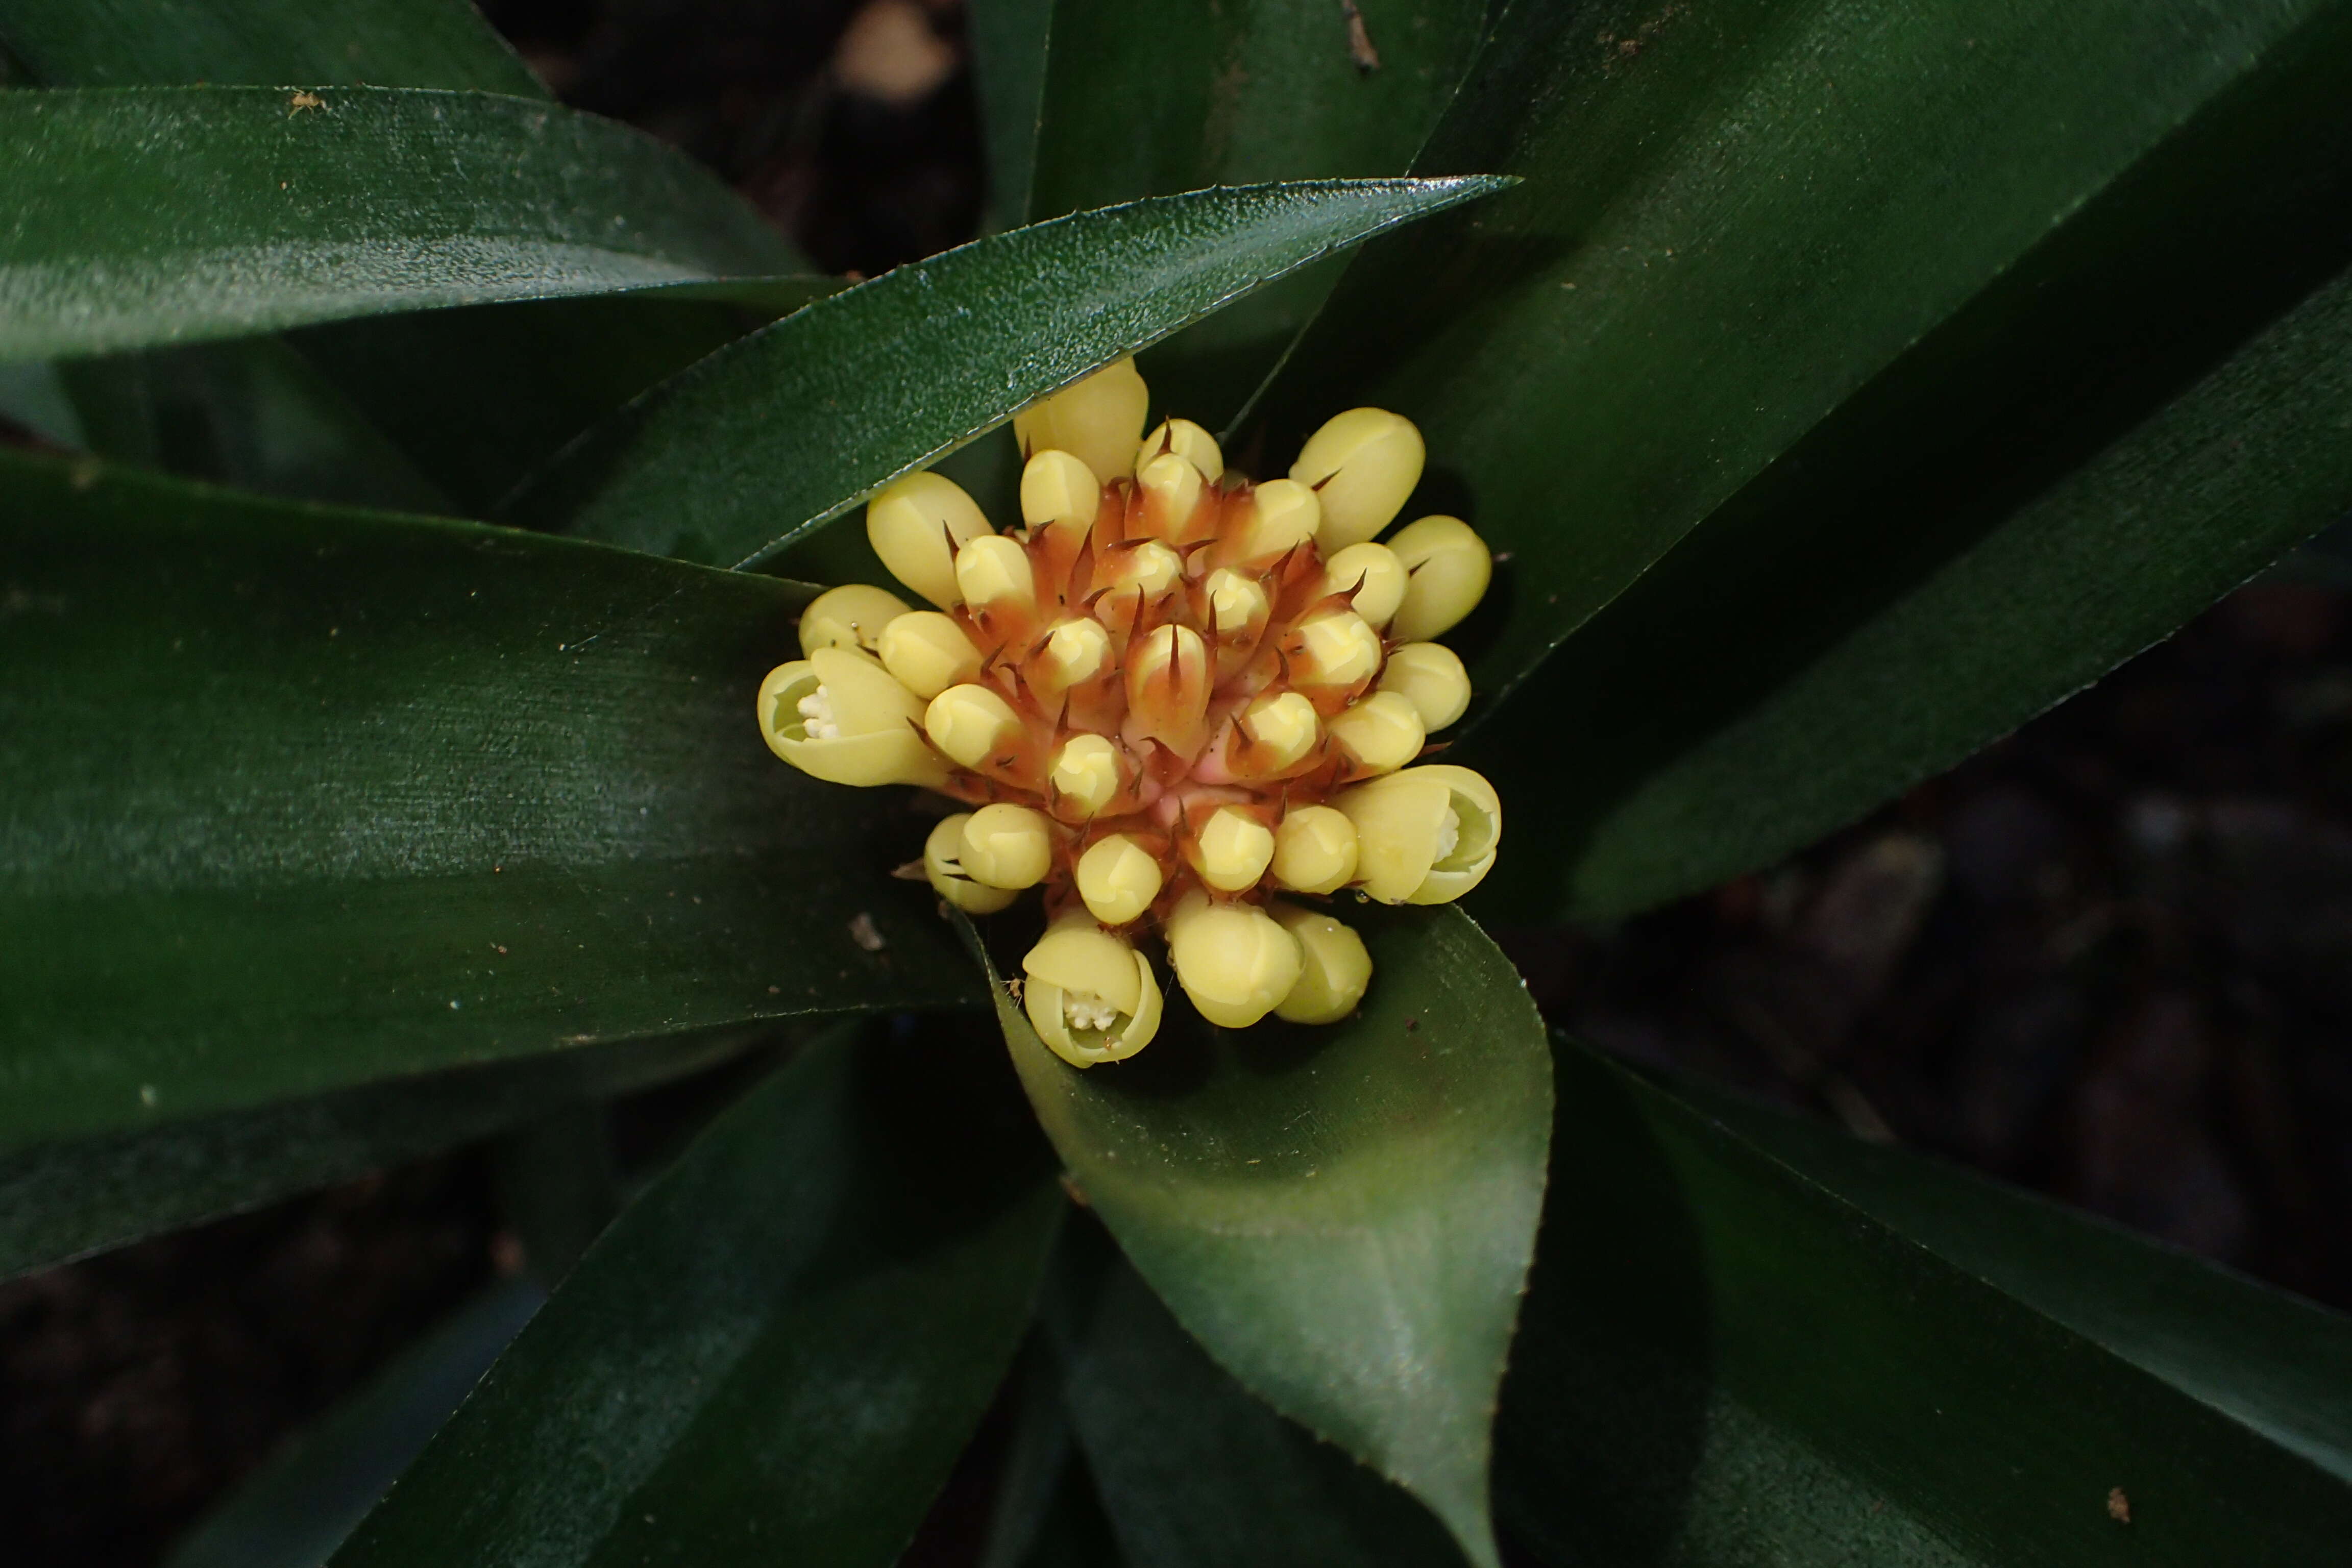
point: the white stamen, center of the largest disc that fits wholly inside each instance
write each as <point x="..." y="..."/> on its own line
<point x="1449" y="833"/>
<point x="818" y="709"/>
<point x="1088" y="1011"/>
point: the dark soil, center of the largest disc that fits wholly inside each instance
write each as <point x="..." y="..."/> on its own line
<point x="2110" y="959"/>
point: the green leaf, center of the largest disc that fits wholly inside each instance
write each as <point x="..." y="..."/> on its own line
<point x="1722" y="1361"/>
<point x="1341" y="1216"/>
<point x="1823" y="660"/>
<point x="299" y="1506"/>
<point x="1137" y="102"/>
<point x="759" y="444"/>
<point x="265" y="42"/>
<point x="61" y="1201"/>
<point x="480" y="396"/>
<point x="776" y="1353"/>
<point x="1010" y="39"/>
<point x="144" y="215"/>
<point x="296" y="798"/>
<point x="1194" y="1469"/>
<point x="2280" y="1365"/>
<point x="1736" y="217"/>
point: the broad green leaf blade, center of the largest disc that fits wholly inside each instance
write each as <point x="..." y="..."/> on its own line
<point x="1736" y="216"/>
<point x="1722" y="1361"/>
<point x="298" y="1508"/>
<point x="478" y="397"/>
<point x="759" y="444"/>
<point x="262" y="43"/>
<point x="1139" y="101"/>
<point x="146" y="216"/>
<point x="2277" y="1363"/>
<point x="1823" y="659"/>
<point x="776" y="1353"/>
<point x="292" y="799"/>
<point x="1194" y="1469"/>
<point x="1011" y="41"/>
<point x="60" y="1200"/>
<point x="1341" y="1216"/>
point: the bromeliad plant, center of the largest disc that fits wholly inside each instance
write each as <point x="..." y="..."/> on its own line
<point x="1835" y="386"/>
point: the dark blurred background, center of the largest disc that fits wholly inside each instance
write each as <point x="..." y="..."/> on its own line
<point x="2110" y="958"/>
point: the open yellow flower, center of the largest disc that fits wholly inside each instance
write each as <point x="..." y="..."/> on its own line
<point x="1171" y="694"/>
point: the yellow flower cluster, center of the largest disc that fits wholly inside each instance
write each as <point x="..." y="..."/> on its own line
<point x="1171" y="694"/>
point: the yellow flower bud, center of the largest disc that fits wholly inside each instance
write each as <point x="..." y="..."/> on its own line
<point x="1236" y="602"/>
<point x="1090" y="996"/>
<point x="917" y="525"/>
<point x="1373" y="576"/>
<point x="1315" y="849"/>
<point x="1148" y="566"/>
<point x="1058" y="490"/>
<point x="1117" y="878"/>
<point x="1382" y="731"/>
<point x="1172" y="491"/>
<point x="1283" y="514"/>
<point x="1427" y="834"/>
<point x="1007" y="846"/>
<point x="1235" y="849"/>
<point x="943" y="867"/>
<point x="1233" y="960"/>
<point x="929" y="652"/>
<point x="1285" y="726"/>
<point x="1335" y="650"/>
<point x="1432" y="676"/>
<point x="1168" y="688"/>
<point x="1085" y="776"/>
<point x="1363" y="464"/>
<point x="838" y="716"/>
<point x="1334" y="971"/>
<point x="1182" y="438"/>
<point x="992" y="571"/>
<point x="1075" y="650"/>
<point x="1096" y="420"/>
<point x="1448" y="569"/>
<point x="852" y="616"/>
<point x="973" y="724"/>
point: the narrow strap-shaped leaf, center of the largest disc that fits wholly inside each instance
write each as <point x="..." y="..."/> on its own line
<point x="62" y="1200"/>
<point x="760" y="443"/>
<point x="301" y="1505"/>
<point x="1138" y="100"/>
<point x="144" y="215"/>
<point x="2280" y="1364"/>
<point x="776" y="1353"/>
<point x="1722" y="1361"/>
<point x="292" y="799"/>
<point x="1343" y="1215"/>
<point x="1823" y="657"/>
<point x="1011" y="43"/>
<point x="1736" y="217"/>
<point x="1194" y="1469"/>
<point x="266" y="43"/>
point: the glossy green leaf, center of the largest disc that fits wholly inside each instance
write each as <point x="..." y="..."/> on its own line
<point x="1823" y="660"/>
<point x="1736" y="216"/>
<point x="60" y="1201"/>
<point x="1136" y="101"/>
<point x="1722" y="1361"/>
<point x="1194" y="1469"/>
<point x="1010" y="41"/>
<point x="776" y="1353"/>
<point x="299" y="1506"/>
<point x="293" y="798"/>
<point x="759" y="444"/>
<point x="263" y="43"/>
<point x="146" y="216"/>
<point x="2277" y="1363"/>
<point x="478" y="397"/>
<point x="1341" y="1216"/>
